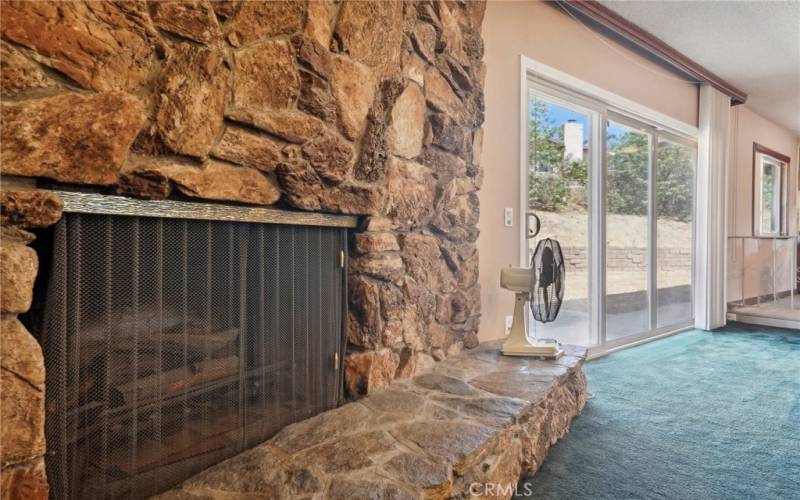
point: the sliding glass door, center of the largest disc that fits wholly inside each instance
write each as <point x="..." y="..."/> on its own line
<point x="649" y="207"/>
<point x="674" y="208"/>
<point x="559" y="151"/>
<point x="618" y="194"/>
<point x="627" y="219"/>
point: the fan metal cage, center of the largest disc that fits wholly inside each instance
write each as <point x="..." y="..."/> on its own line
<point x="547" y="292"/>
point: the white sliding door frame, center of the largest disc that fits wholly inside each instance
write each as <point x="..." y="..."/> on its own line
<point x="677" y="139"/>
<point x="596" y="228"/>
<point x="563" y="89"/>
<point x="652" y="140"/>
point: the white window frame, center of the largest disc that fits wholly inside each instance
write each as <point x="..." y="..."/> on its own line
<point x="781" y="205"/>
<point x="557" y="86"/>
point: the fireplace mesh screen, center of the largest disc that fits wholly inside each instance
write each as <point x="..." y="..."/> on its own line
<point x="173" y="344"/>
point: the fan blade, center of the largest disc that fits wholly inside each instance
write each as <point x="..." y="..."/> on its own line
<point x="546" y="275"/>
<point x="546" y="302"/>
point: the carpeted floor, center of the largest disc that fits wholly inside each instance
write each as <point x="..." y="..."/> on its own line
<point x="695" y="416"/>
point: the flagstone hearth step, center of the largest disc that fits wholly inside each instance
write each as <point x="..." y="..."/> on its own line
<point x="477" y="418"/>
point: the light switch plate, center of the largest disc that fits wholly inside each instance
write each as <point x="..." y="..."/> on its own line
<point x="509" y="322"/>
<point x="508" y="217"/>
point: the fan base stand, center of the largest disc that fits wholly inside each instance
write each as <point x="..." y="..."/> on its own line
<point x="518" y="344"/>
<point x="546" y="351"/>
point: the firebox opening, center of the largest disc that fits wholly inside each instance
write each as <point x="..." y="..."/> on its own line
<point x="172" y="344"/>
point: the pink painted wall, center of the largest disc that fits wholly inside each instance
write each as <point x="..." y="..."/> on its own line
<point x="749" y="127"/>
<point x="750" y="261"/>
<point x="546" y="34"/>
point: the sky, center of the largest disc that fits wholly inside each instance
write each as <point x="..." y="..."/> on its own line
<point x="561" y="115"/>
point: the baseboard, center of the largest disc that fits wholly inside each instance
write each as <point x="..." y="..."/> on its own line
<point x="764" y="321"/>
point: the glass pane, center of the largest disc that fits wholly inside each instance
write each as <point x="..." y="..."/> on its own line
<point x="770" y="196"/>
<point x="558" y="160"/>
<point x="674" y="206"/>
<point x="627" y="198"/>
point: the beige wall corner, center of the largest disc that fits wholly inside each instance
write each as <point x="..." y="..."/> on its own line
<point x="547" y="34"/>
<point x="750" y="259"/>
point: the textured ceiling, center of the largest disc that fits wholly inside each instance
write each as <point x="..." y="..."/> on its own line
<point x="754" y="45"/>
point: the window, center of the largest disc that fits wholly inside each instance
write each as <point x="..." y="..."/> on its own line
<point x="770" y="192"/>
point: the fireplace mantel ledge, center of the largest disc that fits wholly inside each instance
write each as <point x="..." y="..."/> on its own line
<point x="94" y="203"/>
<point x="478" y="418"/>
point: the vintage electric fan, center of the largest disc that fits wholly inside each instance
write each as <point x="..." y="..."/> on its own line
<point x="541" y="285"/>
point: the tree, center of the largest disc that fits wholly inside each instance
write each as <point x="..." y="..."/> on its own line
<point x="545" y="139"/>
<point x="627" y="179"/>
<point x="674" y="181"/>
<point x="553" y="179"/>
<point x="556" y="182"/>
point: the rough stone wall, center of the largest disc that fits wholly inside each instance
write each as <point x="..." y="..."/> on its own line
<point x="369" y="108"/>
<point x="470" y="428"/>
<point x="22" y="377"/>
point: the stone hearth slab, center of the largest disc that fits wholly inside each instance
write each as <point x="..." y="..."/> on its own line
<point x="477" y="418"/>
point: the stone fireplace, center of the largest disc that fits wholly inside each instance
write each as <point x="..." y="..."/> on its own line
<point x="371" y="109"/>
<point x="172" y="343"/>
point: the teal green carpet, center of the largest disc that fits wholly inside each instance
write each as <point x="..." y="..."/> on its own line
<point x="695" y="416"/>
